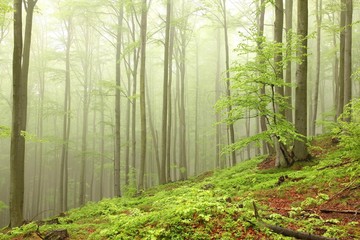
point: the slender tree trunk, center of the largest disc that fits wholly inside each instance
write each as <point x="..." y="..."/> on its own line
<point x="170" y="116"/>
<point x="218" y="163"/>
<point x="335" y="70"/>
<point x="154" y="134"/>
<point x="288" y="73"/>
<point x="318" y="66"/>
<point x="165" y="95"/>
<point x="300" y="148"/>
<point x="134" y="93"/>
<point x="227" y="64"/>
<point x="341" y="79"/>
<point x="128" y="114"/>
<point x="278" y="61"/>
<point x="196" y="159"/>
<point x="142" y="95"/>
<point x="278" y="38"/>
<point x="117" y="150"/>
<point x="348" y="53"/>
<point x="102" y="143"/>
<point x="66" y="123"/>
<point x="19" y="115"/>
<point x="267" y="148"/>
<point x="40" y="131"/>
<point x="17" y="149"/>
<point x="86" y="65"/>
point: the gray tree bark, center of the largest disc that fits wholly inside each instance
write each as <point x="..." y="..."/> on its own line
<point x="142" y="94"/>
<point x="17" y="149"/>
<point x="300" y="148"/>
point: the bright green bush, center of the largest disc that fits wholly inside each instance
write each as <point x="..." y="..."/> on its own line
<point x="348" y="130"/>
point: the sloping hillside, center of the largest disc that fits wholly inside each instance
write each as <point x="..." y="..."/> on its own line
<point x="319" y="197"/>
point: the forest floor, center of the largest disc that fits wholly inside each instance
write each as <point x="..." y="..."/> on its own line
<point x="320" y="197"/>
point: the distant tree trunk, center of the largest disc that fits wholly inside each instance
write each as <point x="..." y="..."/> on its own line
<point x="165" y="96"/>
<point x="134" y="93"/>
<point x="278" y="62"/>
<point x="278" y="38"/>
<point x="267" y="148"/>
<point x="218" y="164"/>
<point x="66" y="123"/>
<point x="348" y="53"/>
<point x="170" y="116"/>
<point x="288" y="73"/>
<point x="102" y="142"/>
<point x="40" y="132"/>
<point x="227" y="64"/>
<point x="335" y="70"/>
<point x="17" y="148"/>
<point x="153" y="133"/>
<point x="318" y="66"/>
<point x="117" y="150"/>
<point x="341" y="79"/>
<point x="142" y="94"/>
<point x="128" y="114"/>
<point x="300" y="148"/>
<point x="86" y="66"/>
<point x="196" y="159"/>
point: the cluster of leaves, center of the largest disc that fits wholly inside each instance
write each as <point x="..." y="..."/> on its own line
<point x="4" y="132"/>
<point x="348" y="130"/>
<point x="254" y="87"/>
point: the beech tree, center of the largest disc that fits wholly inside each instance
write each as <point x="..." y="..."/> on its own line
<point x="21" y="60"/>
<point x="300" y="146"/>
<point x="17" y="151"/>
<point x="143" y="38"/>
<point x="164" y="140"/>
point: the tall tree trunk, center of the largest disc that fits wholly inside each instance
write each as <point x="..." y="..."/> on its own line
<point x="102" y="143"/>
<point x="288" y="73"/>
<point x="170" y="116"/>
<point x="165" y="95"/>
<point x="196" y="159"/>
<point x="19" y="115"/>
<point x="86" y="66"/>
<point x="17" y="148"/>
<point x="218" y="163"/>
<point x="267" y="148"/>
<point x="128" y="114"/>
<point x="134" y="93"/>
<point x="66" y="123"/>
<point x="153" y="132"/>
<point x="278" y="38"/>
<point x="40" y="131"/>
<point x="300" y="148"/>
<point x="348" y="53"/>
<point x="227" y="64"/>
<point x="142" y="95"/>
<point x="341" y="79"/>
<point x="335" y="70"/>
<point x="318" y="66"/>
<point x="117" y="191"/>
<point x="278" y="61"/>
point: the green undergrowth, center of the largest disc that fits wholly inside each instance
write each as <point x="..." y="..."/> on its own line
<point x="219" y="205"/>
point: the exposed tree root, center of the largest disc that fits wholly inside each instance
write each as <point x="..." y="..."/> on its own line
<point x="289" y="232"/>
<point x="339" y="211"/>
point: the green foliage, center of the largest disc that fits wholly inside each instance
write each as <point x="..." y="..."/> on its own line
<point x="187" y="210"/>
<point x="348" y="130"/>
<point x="5" y="132"/>
<point x="254" y="94"/>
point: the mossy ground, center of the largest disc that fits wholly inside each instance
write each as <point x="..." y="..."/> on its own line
<point x="219" y="204"/>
